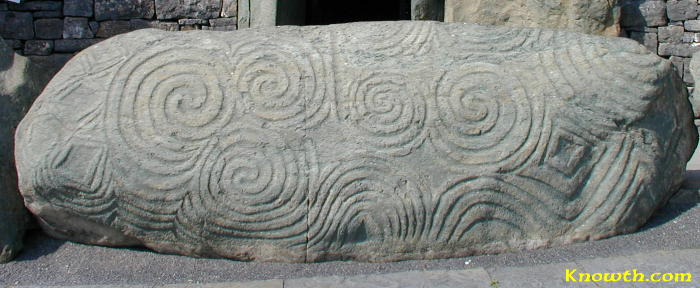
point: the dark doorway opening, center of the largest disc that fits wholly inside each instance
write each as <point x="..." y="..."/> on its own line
<point x="323" y="12"/>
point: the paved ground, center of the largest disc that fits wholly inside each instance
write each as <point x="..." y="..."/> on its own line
<point x="670" y="242"/>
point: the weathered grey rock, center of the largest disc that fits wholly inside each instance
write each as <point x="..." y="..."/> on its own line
<point x="17" y="91"/>
<point x="16" y="25"/>
<point x="78" y="8"/>
<point x="201" y="9"/>
<point x="649" y="40"/>
<point x="692" y="25"/>
<point x="681" y="10"/>
<point x="73" y="45"/>
<point x="694" y="70"/>
<point x="586" y="16"/>
<point x="110" y="28"/>
<point x="370" y="141"/>
<point x="48" y="28"/>
<point x="76" y="28"/>
<point x="229" y="8"/>
<point x="671" y="34"/>
<point x="36" y="5"/>
<point x="38" y="47"/>
<point x="642" y="13"/>
<point x="124" y="9"/>
<point x="676" y="49"/>
<point x="47" y="14"/>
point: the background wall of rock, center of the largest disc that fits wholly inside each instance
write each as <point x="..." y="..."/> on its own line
<point x="54" y="27"/>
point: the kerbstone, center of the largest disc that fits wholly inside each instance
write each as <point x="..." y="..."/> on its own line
<point x="317" y="143"/>
<point x="586" y="16"/>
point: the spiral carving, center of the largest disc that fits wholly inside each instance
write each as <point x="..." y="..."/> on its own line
<point x="388" y="111"/>
<point x="485" y="116"/>
<point x="165" y="106"/>
<point x="282" y="81"/>
<point x="254" y="185"/>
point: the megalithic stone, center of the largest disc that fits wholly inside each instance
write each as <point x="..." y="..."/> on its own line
<point x="371" y="141"/>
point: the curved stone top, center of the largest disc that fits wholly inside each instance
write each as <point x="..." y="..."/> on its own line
<point x="372" y="141"/>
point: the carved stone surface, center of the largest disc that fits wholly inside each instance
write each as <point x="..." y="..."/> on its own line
<point x="18" y="88"/>
<point x="370" y="141"/>
<point x="585" y="16"/>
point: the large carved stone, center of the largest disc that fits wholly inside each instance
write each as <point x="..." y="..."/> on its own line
<point x="370" y="141"/>
<point x="586" y="16"/>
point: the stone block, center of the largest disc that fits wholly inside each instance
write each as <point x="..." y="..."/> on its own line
<point x="688" y="37"/>
<point x="678" y="64"/>
<point x="224" y="28"/>
<point x="586" y="16"/>
<point x="229" y="8"/>
<point x="223" y="22"/>
<point x="47" y="14"/>
<point x="73" y="45"/>
<point x="36" y="6"/>
<point x="192" y="21"/>
<point x="694" y="70"/>
<point x="671" y="34"/>
<point x="38" y="47"/>
<point x="692" y="25"/>
<point x="111" y="28"/>
<point x="642" y="13"/>
<point x="16" y="25"/>
<point x="687" y="74"/>
<point x="168" y="26"/>
<point x="287" y="144"/>
<point x="198" y="9"/>
<point x="681" y="10"/>
<point x="672" y="49"/>
<point x="649" y="40"/>
<point x="136" y="24"/>
<point x="125" y="9"/>
<point x="78" y="8"/>
<point x="14" y="43"/>
<point x="48" y="28"/>
<point x="76" y="28"/>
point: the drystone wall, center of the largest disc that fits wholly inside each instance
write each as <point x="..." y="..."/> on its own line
<point x="48" y="27"/>
<point x="669" y="28"/>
